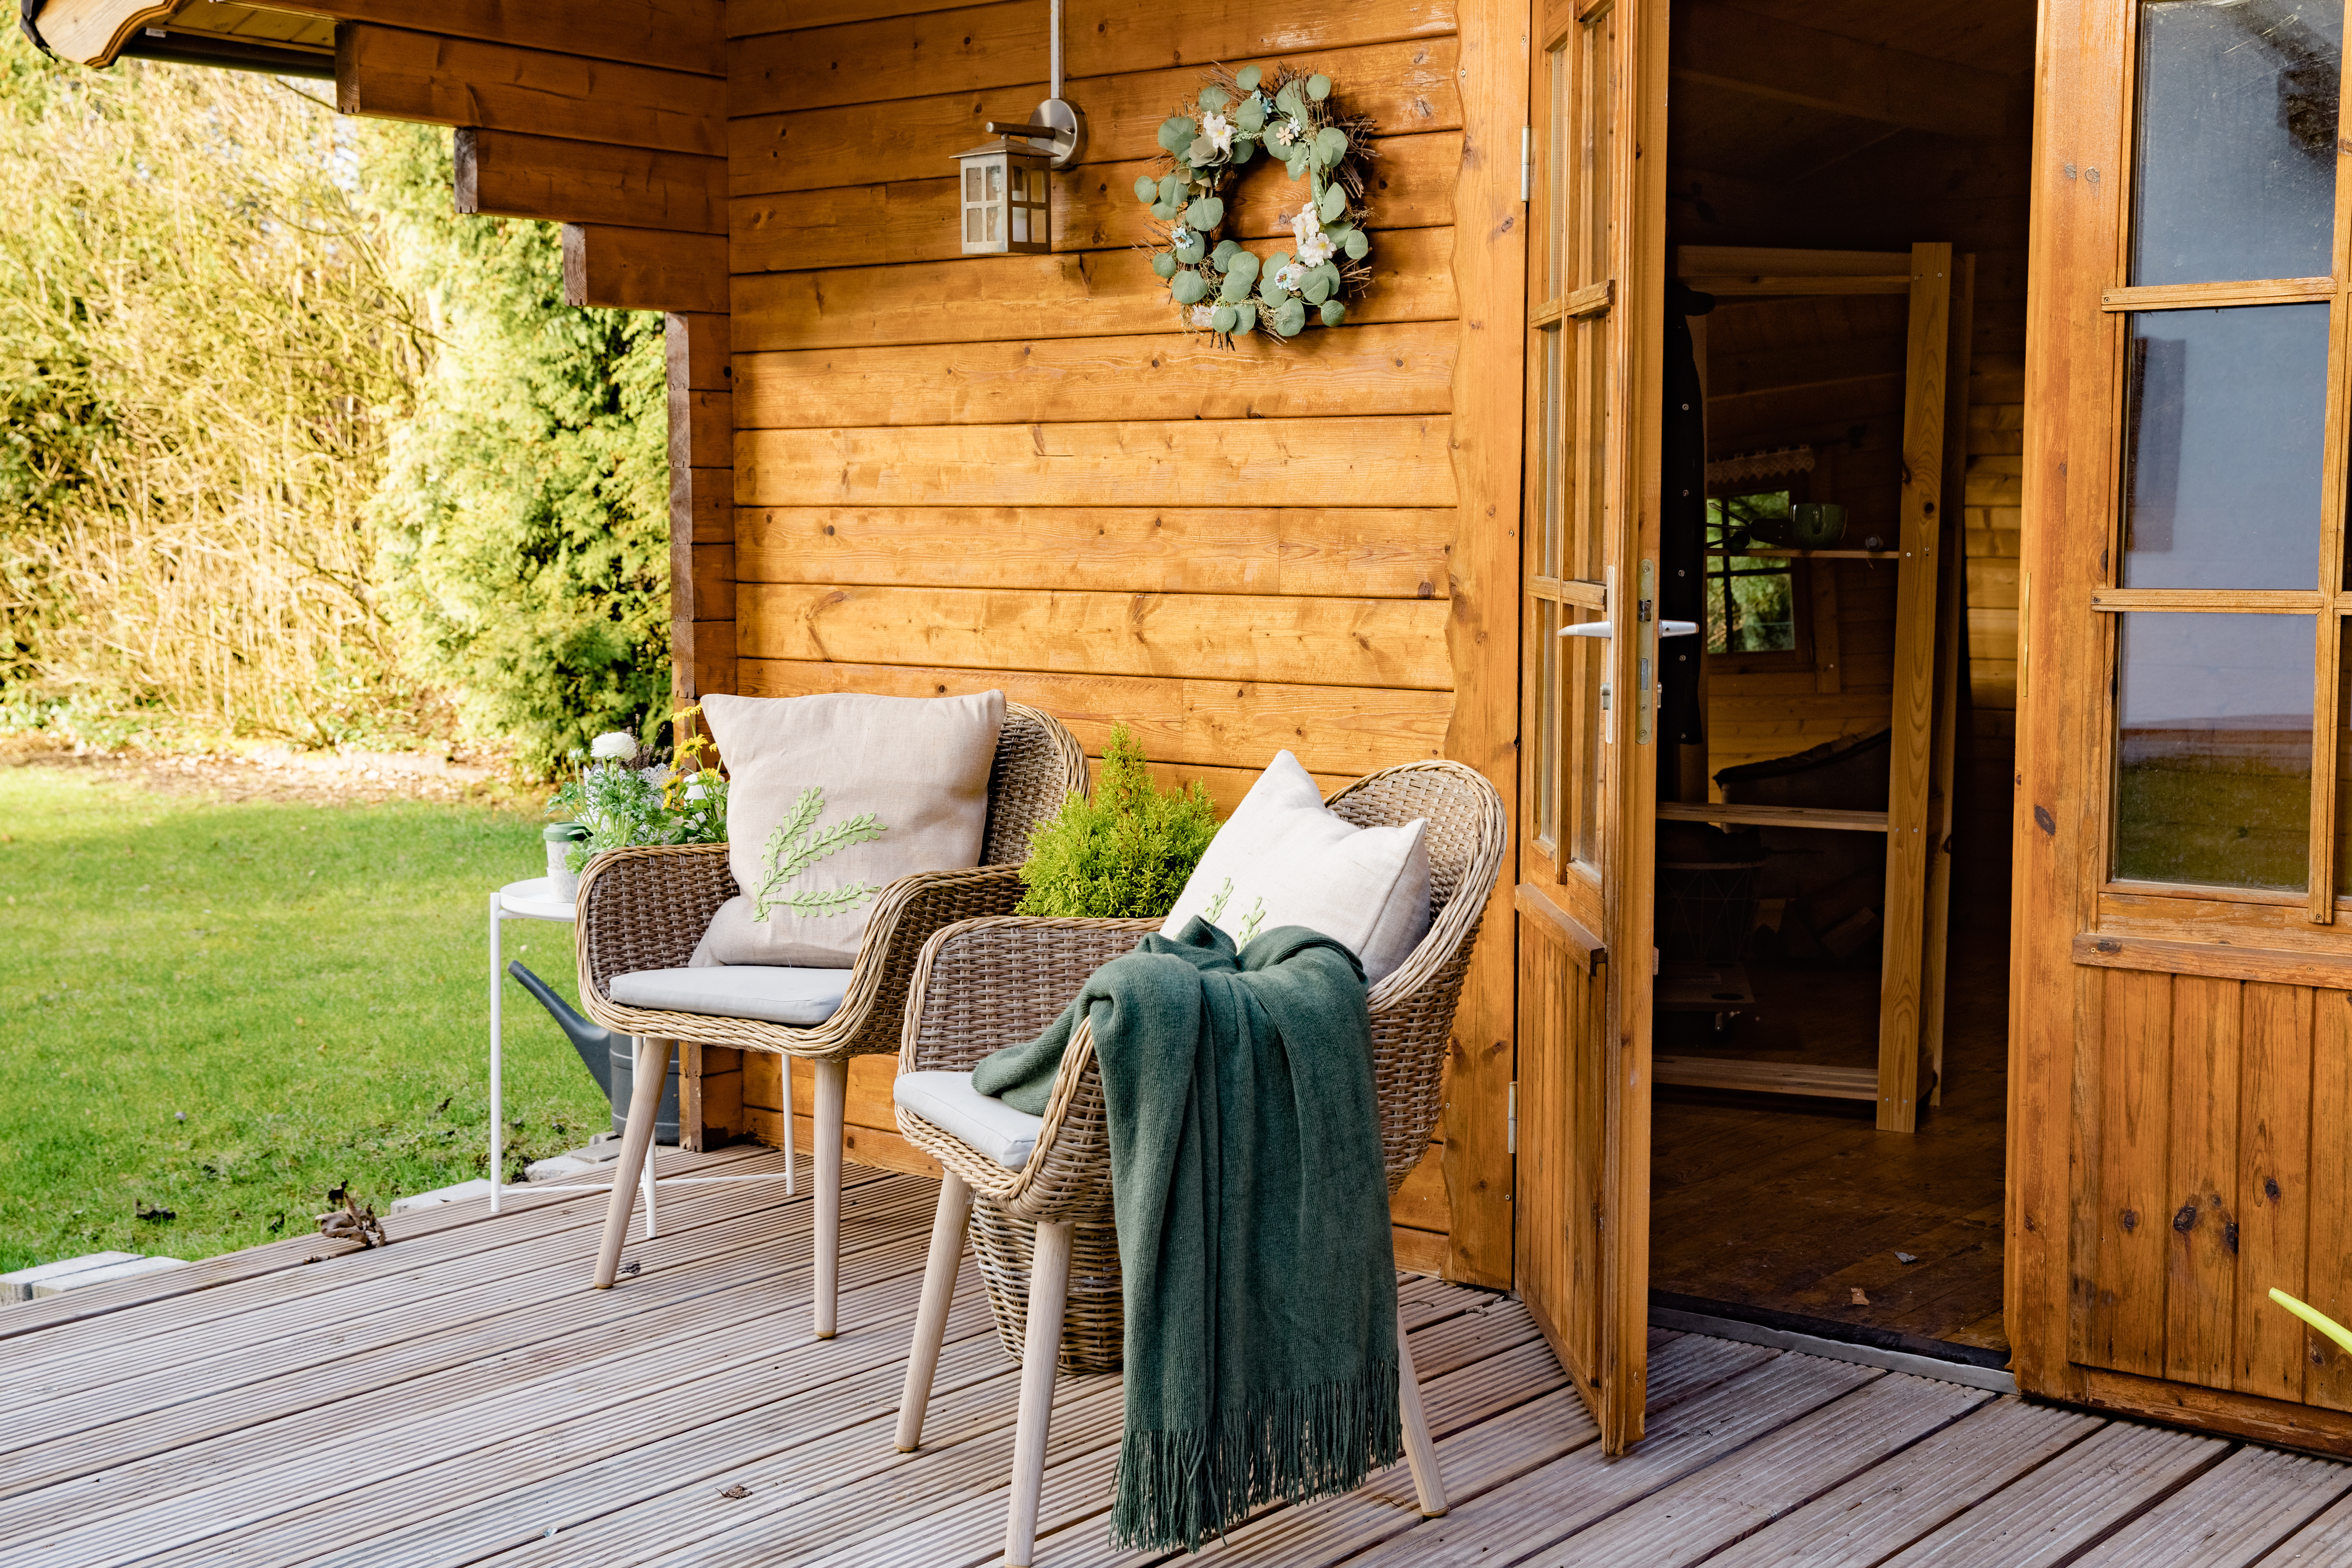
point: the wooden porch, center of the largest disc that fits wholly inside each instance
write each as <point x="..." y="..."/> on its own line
<point x="462" y="1398"/>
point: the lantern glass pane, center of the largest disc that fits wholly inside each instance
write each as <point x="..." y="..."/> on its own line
<point x="1020" y="226"/>
<point x="971" y="224"/>
<point x="995" y="179"/>
<point x="971" y="181"/>
<point x="990" y="228"/>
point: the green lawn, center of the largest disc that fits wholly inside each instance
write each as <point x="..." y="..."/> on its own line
<point x="224" y="1010"/>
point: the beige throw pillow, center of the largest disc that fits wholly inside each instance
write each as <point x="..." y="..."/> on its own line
<point x="1283" y="858"/>
<point x="919" y="766"/>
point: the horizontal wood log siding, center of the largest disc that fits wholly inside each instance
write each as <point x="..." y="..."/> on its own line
<point x="952" y="474"/>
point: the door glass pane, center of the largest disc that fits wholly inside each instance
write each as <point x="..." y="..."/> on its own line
<point x="1547" y="722"/>
<point x="2236" y="173"/>
<point x="2343" y="764"/>
<point x="2213" y="750"/>
<point x="2223" y="438"/>
<point x="1556" y="459"/>
<point x="1587" y="660"/>
<point x="1562" y="152"/>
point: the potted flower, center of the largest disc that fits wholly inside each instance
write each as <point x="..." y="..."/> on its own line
<point x="612" y="803"/>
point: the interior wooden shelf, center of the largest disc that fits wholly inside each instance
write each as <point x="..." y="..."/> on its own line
<point x="1767" y="1077"/>
<point x="1808" y="554"/>
<point x="1774" y="817"/>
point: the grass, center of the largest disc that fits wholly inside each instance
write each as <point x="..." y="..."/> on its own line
<point x="210" y="1013"/>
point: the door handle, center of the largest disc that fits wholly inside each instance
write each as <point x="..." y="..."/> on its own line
<point x="1604" y="629"/>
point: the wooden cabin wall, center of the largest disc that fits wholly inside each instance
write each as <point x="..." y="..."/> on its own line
<point x="952" y="474"/>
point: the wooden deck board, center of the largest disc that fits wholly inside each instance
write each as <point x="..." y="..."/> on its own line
<point x="1887" y="1507"/>
<point x="2229" y="1516"/>
<point x="2073" y="1500"/>
<point x="1779" y="1473"/>
<point x="462" y="1399"/>
<point x="174" y="1406"/>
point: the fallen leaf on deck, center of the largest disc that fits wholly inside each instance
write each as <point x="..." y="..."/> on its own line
<point x="1859" y="1299"/>
<point x="1906" y="1258"/>
<point x="738" y="1491"/>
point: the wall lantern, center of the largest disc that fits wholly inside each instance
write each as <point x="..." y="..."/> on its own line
<point x="1005" y="204"/>
<point x="1006" y="200"/>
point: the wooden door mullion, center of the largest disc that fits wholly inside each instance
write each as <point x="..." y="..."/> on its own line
<point x="2326" y="736"/>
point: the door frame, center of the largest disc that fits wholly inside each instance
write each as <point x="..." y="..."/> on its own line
<point x="1585" y="949"/>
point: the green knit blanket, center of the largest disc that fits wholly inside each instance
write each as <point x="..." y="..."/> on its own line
<point x="1252" y="1210"/>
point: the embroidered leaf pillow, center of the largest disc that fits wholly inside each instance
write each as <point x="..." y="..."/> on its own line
<point x="1283" y="858"/>
<point x="833" y="797"/>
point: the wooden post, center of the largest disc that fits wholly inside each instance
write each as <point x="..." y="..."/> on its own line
<point x="1911" y="760"/>
<point x="1482" y="631"/>
<point x="1952" y="644"/>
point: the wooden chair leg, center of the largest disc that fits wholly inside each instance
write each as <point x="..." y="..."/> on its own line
<point x="636" y="1141"/>
<point x="1420" y="1452"/>
<point x="931" y="1317"/>
<point x="1049" y="1288"/>
<point x="832" y="1096"/>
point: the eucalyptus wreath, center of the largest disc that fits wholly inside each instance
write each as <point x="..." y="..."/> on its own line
<point x="1220" y="288"/>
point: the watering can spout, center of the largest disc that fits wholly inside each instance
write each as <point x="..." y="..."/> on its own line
<point x="592" y="1040"/>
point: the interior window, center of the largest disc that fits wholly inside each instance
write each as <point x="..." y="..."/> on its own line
<point x="1751" y="599"/>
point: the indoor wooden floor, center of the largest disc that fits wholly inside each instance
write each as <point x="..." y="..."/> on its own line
<point x="462" y="1398"/>
<point x="1794" y="1205"/>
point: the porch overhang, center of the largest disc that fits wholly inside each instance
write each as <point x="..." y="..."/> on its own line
<point x="196" y="32"/>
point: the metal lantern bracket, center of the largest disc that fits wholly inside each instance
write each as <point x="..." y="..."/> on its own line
<point x="1056" y="128"/>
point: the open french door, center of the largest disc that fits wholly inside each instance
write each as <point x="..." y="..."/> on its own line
<point x="1588" y="678"/>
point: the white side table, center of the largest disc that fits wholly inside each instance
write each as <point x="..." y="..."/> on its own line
<point x="536" y="899"/>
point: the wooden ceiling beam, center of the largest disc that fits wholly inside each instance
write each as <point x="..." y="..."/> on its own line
<point x="1720" y="45"/>
<point x="389" y="73"/>
<point x="644" y="270"/>
<point x="671" y="35"/>
<point x="505" y="175"/>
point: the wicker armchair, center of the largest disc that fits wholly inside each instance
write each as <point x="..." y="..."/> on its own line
<point x="646" y="908"/>
<point x="1047" y="1252"/>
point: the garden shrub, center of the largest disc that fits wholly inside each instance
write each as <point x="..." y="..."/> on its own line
<point x="1124" y="853"/>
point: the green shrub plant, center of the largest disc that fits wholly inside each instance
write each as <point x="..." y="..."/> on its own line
<point x="1126" y="852"/>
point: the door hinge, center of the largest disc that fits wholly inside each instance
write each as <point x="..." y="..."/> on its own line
<point x="1527" y="163"/>
<point x="1511" y="1127"/>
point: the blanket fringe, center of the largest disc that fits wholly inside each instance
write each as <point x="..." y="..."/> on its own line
<point x="1182" y="1488"/>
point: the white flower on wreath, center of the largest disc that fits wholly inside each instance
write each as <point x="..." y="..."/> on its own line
<point x="1218" y="129"/>
<point x="1179" y="237"/>
<point x="1285" y="132"/>
<point x="1315" y="247"/>
<point x="618" y="746"/>
<point x="1291" y="276"/>
<point x="1201" y="315"/>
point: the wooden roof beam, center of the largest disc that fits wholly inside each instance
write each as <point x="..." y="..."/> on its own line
<point x="389" y="73"/>
<point x="1720" y="45"/>
<point x="505" y="174"/>
<point x="671" y="34"/>
<point x="644" y="270"/>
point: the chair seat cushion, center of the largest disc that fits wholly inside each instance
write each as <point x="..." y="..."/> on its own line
<point x="949" y="1103"/>
<point x="769" y="993"/>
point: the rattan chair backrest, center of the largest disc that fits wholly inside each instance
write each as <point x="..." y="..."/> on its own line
<point x="1038" y="764"/>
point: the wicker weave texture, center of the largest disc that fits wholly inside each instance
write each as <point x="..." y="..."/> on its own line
<point x="986" y="983"/>
<point x="646" y="908"/>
